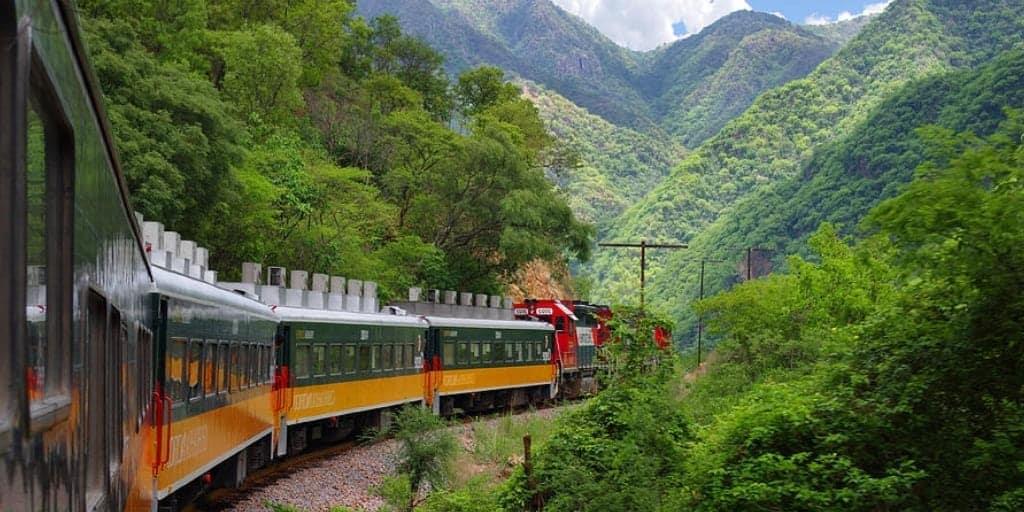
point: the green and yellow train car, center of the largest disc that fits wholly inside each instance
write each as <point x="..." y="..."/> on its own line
<point x="215" y="368"/>
<point x="479" y="365"/>
<point x="344" y="369"/>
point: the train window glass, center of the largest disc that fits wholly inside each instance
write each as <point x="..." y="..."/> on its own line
<point x="264" y="369"/>
<point x="335" y="359"/>
<point x="319" y="360"/>
<point x="222" y="366"/>
<point x="97" y="346"/>
<point x="174" y="367"/>
<point x="349" y="362"/>
<point x="539" y="350"/>
<point x="195" y="368"/>
<point x="528" y="355"/>
<point x="485" y="352"/>
<point x="375" y="358"/>
<point x="449" y="353"/>
<point x="560" y="323"/>
<point x="244" y="365"/>
<point x="35" y="256"/>
<point x="519" y="351"/>
<point x="235" y="373"/>
<point x="302" y="361"/>
<point x="387" y="356"/>
<point x="254" y="365"/>
<point x="209" y="367"/>
<point x="509" y="355"/>
<point x="364" y="358"/>
<point x="474" y="352"/>
<point x="464" y="353"/>
<point x="410" y="356"/>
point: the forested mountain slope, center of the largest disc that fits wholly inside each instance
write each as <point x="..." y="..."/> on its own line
<point x="777" y="136"/>
<point x="846" y="178"/>
<point x="616" y="165"/>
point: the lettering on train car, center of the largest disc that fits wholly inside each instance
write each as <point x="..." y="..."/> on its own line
<point x="313" y="400"/>
<point x="188" y="444"/>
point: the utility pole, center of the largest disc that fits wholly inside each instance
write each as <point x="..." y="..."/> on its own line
<point x="700" y="317"/>
<point x="643" y="245"/>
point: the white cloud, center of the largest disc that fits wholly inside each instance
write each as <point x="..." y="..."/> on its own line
<point x="779" y="14"/>
<point x="869" y="9"/>
<point x="645" y="24"/>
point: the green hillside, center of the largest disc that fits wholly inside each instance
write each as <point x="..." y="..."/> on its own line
<point x="616" y="166"/>
<point x="779" y="134"/>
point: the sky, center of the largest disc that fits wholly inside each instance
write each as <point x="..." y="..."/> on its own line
<point x="646" y="24"/>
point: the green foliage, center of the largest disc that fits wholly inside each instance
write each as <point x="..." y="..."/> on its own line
<point x="426" y="450"/>
<point x="292" y="133"/>
<point x="476" y="496"/>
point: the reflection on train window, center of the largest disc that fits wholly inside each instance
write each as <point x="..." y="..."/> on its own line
<point x="449" y="353"/>
<point x="375" y="358"/>
<point x="529" y="351"/>
<point x="539" y="350"/>
<point x="474" y="350"/>
<point x="243" y="366"/>
<point x="464" y="354"/>
<point x="302" y="361"/>
<point x="364" y="358"/>
<point x="195" y="361"/>
<point x="509" y="355"/>
<point x="254" y="365"/>
<point x="335" y="359"/>
<point x="235" y="376"/>
<point x="350" y="359"/>
<point x="410" y="356"/>
<point x="519" y="351"/>
<point x="174" y="368"/>
<point x="222" y="366"/>
<point x="319" y="360"/>
<point x="386" y="359"/>
<point x="35" y="256"/>
<point x="485" y="353"/>
<point x="210" y="369"/>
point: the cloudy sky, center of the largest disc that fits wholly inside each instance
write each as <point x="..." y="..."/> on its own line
<point x="645" y="24"/>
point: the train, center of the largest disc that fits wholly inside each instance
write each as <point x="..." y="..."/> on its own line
<point x="133" y="379"/>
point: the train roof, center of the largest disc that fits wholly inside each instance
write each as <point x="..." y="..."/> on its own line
<point x="474" y="323"/>
<point x="173" y="284"/>
<point x="294" y="314"/>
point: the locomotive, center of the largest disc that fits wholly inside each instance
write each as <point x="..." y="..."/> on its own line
<point x="133" y="379"/>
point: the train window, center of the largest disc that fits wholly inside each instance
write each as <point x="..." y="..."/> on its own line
<point x="364" y="358"/>
<point x="319" y="360"/>
<point x="174" y="368"/>
<point x="350" y="359"/>
<point x="449" y="353"/>
<point x="210" y="368"/>
<point x="254" y="365"/>
<point x="234" y="372"/>
<point x="244" y="365"/>
<point x="519" y="351"/>
<point x="375" y="358"/>
<point x="410" y="356"/>
<point x="509" y="352"/>
<point x="335" y="359"/>
<point x="222" y="367"/>
<point x="538" y="349"/>
<point x="96" y="410"/>
<point x="195" y="368"/>
<point x="474" y="350"/>
<point x="302" y="361"/>
<point x="485" y="352"/>
<point x="463" y="357"/>
<point x="387" y="357"/>
<point x="560" y="323"/>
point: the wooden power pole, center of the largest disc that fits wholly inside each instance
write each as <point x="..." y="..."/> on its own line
<point x="643" y="245"/>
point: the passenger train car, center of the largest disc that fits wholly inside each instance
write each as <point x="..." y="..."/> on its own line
<point x="76" y="343"/>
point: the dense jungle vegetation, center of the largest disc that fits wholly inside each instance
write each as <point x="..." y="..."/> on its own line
<point x="299" y="134"/>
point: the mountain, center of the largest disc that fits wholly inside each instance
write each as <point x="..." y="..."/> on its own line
<point x="776" y="139"/>
<point x="533" y="39"/>
<point x="618" y="165"/>
<point x="698" y="84"/>
<point x="840" y="32"/>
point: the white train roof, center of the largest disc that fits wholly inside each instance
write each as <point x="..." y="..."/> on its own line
<point x="475" y="323"/>
<point x="173" y="284"/>
<point x="293" y="314"/>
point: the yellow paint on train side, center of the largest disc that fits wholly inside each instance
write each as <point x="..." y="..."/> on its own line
<point x="323" y="400"/>
<point x="468" y="380"/>
<point x="199" y="441"/>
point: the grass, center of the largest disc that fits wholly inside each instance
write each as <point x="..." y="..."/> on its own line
<point x="500" y="441"/>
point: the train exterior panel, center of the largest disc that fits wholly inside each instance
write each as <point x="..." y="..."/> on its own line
<point x="215" y="369"/>
<point x="75" y="347"/>
<point x="342" y="363"/>
<point x="482" y="364"/>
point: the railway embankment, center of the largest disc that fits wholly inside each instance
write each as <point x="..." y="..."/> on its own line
<point x="350" y="475"/>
